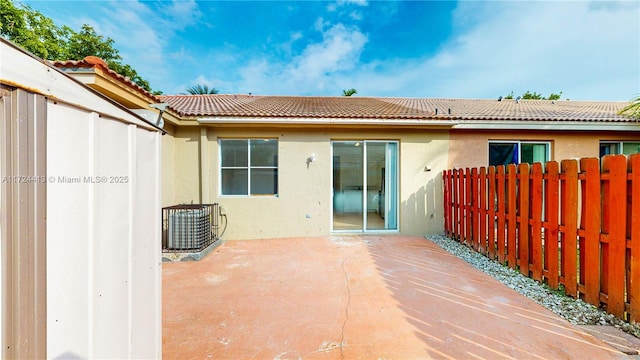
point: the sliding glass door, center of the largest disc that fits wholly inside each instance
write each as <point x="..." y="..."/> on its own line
<point x="365" y="191"/>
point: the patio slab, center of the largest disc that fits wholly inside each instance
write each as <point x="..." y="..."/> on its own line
<point x="355" y="297"/>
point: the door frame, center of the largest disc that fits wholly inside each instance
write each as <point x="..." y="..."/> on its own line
<point x="364" y="229"/>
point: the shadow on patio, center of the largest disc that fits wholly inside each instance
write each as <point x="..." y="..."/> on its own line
<point x="354" y="297"/>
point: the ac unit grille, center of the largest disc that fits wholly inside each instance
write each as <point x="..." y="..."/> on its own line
<point x="188" y="227"/>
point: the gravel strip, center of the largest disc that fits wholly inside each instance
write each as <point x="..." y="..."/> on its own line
<point x="575" y="311"/>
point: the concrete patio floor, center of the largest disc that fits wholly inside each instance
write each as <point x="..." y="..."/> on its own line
<point x="355" y="297"/>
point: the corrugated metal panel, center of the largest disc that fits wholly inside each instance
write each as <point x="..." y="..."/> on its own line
<point x="23" y="124"/>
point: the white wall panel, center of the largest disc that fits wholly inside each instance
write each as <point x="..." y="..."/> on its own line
<point x="111" y="158"/>
<point x="70" y="231"/>
<point x="146" y="312"/>
<point x="104" y="267"/>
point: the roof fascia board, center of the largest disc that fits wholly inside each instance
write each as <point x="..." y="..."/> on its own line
<point x="322" y="121"/>
<point x="547" y="125"/>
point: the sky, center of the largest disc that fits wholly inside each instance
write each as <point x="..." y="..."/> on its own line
<point x="437" y="49"/>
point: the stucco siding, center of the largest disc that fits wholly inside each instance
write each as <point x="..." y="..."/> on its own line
<point x="469" y="148"/>
<point x="421" y="191"/>
<point x="168" y="166"/>
<point x="187" y="166"/>
<point x="303" y="206"/>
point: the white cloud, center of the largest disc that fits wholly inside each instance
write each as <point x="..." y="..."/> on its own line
<point x="310" y="72"/>
<point x="143" y="34"/>
<point x="356" y="15"/>
<point x="588" y="54"/>
<point x="587" y="51"/>
<point x="352" y="2"/>
<point x="180" y="14"/>
<point x="334" y="6"/>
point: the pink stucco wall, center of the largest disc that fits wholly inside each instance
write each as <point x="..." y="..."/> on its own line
<point x="469" y="148"/>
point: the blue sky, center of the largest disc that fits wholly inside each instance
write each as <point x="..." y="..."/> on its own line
<point x="465" y="49"/>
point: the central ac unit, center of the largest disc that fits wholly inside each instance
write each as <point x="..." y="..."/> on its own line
<point x="188" y="229"/>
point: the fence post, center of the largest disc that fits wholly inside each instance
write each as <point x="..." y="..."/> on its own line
<point x="468" y="199"/>
<point x="634" y="218"/>
<point x="523" y="221"/>
<point x="512" y="251"/>
<point x="502" y="215"/>
<point x="461" y="202"/>
<point x="536" y="223"/>
<point x="552" y="207"/>
<point x="475" y="210"/>
<point x="614" y="225"/>
<point x="456" y="203"/>
<point x="569" y="218"/>
<point x="447" y="202"/>
<point x="491" y="221"/>
<point x="483" y="211"/>
<point x="590" y="219"/>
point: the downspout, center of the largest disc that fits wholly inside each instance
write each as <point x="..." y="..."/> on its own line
<point x="205" y="194"/>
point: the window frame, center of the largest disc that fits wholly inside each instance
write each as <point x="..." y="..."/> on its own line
<point x="248" y="167"/>
<point x="519" y="143"/>
<point x="618" y="143"/>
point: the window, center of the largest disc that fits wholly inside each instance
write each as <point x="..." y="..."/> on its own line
<point x="516" y="152"/>
<point x="249" y="167"/>
<point x="619" y="147"/>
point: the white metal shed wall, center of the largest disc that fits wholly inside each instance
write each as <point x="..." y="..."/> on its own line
<point x="103" y="257"/>
<point x="103" y="248"/>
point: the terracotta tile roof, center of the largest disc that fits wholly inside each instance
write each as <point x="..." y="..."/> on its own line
<point x="90" y="62"/>
<point x="392" y="108"/>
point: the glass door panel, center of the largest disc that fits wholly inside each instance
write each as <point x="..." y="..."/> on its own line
<point x="391" y="187"/>
<point x="348" y="179"/>
<point x="376" y="185"/>
<point x="365" y="191"/>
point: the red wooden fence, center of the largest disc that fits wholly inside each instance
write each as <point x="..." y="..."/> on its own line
<point x="574" y="225"/>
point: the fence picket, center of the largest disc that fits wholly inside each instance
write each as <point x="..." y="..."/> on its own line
<point x="491" y="216"/>
<point x="474" y="210"/>
<point x="614" y="225"/>
<point x="512" y="251"/>
<point x="482" y="216"/>
<point x="552" y="206"/>
<point x="634" y="218"/>
<point x="502" y="214"/>
<point x="590" y="220"/>
<point x="536" y="224"/>
<point x="467" y="207"/>
<point x="456" y="204"/>
<point x="447" y="201"/>
<point x="569" y="219"/>
<point x="523" y="221"/>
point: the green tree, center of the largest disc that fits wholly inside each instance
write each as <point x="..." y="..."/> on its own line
<point x="349" y="92"/>
<point x="201" y="90"/>
<point x="87" y="42"/>
<point x="554" y="96"/>
<point x="632" y="110"/>
<point x="41" y="36"/>
<point x="532" y="96"/>
<point x="535" y="96"/>
<point x="33" y="31"/>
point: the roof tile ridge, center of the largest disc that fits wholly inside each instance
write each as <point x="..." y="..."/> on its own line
<point x="94" y="61"/>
